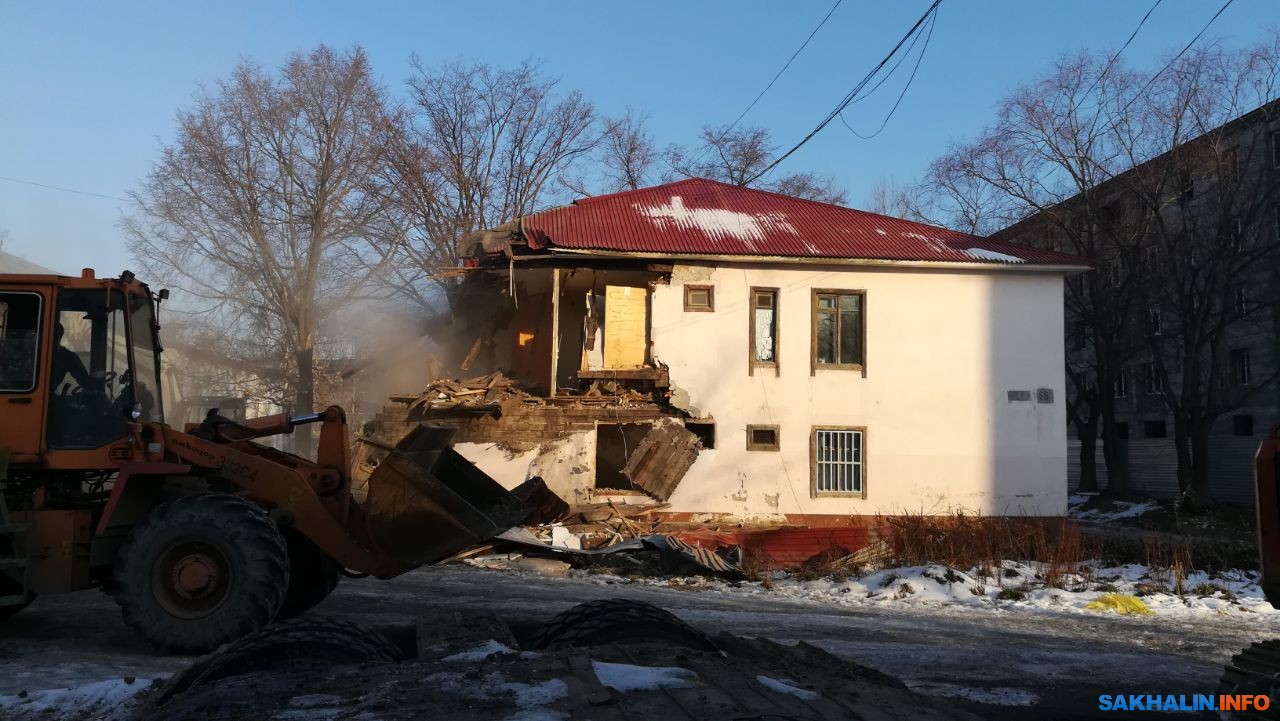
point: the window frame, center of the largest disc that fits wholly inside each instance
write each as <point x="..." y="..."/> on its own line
<point x="752" y="362"/>
<point x="1120" y="386"/>
<point x="1275" y="148"/>
<point x="1241" y="374"/>
<point x="710" y="307"/>
<point x="860" y="464"/>
<point x="771" y="447"/>
<point x="814" y="365"/>
<point x="1152" y="381"/>
<point x="1155" y="320"/>
<point x="40" y="323"/>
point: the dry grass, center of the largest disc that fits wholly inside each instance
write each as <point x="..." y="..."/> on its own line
<point x="972" y="541"/>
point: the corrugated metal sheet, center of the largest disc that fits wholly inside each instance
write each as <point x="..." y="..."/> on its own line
<point x="705" y="217"/>
<point x="1153" y="467"/>
<point x="10" y="263"/>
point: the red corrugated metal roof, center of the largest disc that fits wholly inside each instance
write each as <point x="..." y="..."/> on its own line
<point x="705" y="217"/>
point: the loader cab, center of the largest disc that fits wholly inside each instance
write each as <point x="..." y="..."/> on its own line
<point x="79" y="362"/>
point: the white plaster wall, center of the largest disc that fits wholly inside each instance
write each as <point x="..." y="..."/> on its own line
<point x="567" y="466"/>
<point x="943" y="349"/>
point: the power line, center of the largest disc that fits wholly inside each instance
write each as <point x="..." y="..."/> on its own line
<point x="62" y="189"/>
<point x="849" y="97"/>
<point x="788" y="64"/>
<point x="1114" y="58"/>
<point x="1174" y="59"/>
<point x="919" y="58"/>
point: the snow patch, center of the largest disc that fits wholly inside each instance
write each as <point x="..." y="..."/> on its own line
<point x="785" y="687"/>
<point x="527" y="696"/>
<point x="1001" y="696"/>
<point x="984" y="254"/>
<point x="1119" y="510"/>
<point x="625" y="677"/>
<point x="717" y="223"/>
<point x="479" y="653"/>
<point x="107" y="700"/>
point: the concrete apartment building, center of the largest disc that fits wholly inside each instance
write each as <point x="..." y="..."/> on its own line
<point x="1227" y="183"/>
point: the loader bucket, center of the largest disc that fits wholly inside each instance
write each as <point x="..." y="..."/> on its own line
<point x="426" y="502"/>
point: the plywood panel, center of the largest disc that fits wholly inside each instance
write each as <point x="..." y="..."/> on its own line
<point x="625" y="323"/>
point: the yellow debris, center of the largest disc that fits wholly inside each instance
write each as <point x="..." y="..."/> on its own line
<point x="1120" y="603"/>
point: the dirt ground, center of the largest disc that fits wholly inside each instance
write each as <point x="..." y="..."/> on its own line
<point x="1065" y="660"/>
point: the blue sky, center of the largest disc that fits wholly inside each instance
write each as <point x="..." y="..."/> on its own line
<point x="88" y="91"/>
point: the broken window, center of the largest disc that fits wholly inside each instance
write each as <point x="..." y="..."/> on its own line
<point x="19" y="333"/>
<point x="764" y="328"/>
<point x="705" y="430"/>
<point x="615" y="442"/>
<point x="762" y="438"/>
<point x="699" y="298"/>
<point x="838" y="461"/>
<point x="838" y="329"/>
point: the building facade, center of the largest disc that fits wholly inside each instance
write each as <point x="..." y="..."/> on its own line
<point x="742" y="356"/>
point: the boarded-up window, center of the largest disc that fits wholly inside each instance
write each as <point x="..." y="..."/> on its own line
<point x="625" y="327"/>
<point x="764" y="328"/>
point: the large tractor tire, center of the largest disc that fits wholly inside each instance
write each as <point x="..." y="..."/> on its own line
<point x="312" y="575"/>
<point x="200" y="571"/>
<point x="618" y="620"/>
<point x="10" y="586"/>
<point x="1255" y="670"/>
<point x="299" y="643"/>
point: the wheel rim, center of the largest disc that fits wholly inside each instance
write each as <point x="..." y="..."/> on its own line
<point x="191" y="578"/>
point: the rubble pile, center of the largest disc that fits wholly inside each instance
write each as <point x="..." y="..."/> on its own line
<point x="488" y="390"/>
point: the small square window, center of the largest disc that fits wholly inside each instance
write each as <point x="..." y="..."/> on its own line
<point x="1242" y="425"/>
<point x="1155" y="429"/>
<point x="699" y="298"/>
<point x="762" y="438"/>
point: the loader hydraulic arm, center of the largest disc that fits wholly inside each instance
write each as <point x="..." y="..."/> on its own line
<point x="312" y="496"/>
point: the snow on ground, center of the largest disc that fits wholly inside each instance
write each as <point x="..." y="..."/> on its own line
<point x="785" y="686"/>
<point x="625" y="677"/>
<point x="480" y="653"/>
<point x="1001" y="696"/>
<point x="1117" y="510"/>
<point x="108" y="700"/>
<point x="1012" y="587"/>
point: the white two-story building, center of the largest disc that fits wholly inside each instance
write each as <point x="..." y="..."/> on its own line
<point x="746" y="356"/>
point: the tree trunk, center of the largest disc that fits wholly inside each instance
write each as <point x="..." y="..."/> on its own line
<point x="1112" y="451"/>
<point x="1182" y="444"/>
<point x="1200" y="461"/>
<point x="1088" y="458"/>
<point x="304" y="400"/>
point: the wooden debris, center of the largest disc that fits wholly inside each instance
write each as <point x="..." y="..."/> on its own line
<point x="663" y="457"/>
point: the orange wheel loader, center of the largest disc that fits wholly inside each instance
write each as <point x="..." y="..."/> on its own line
<point x="201" y="534"/>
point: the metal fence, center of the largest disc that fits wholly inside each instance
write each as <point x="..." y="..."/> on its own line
<point x="1153" y="467"/>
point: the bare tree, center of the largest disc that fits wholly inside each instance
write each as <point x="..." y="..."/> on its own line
<point x="479" y="146"/>
<point x="1131" y="169"/>
<point x="628" y="152"/>
<point x="737" y="155"/>
<point x="267" y="209"/>
<point x="1053" y="143"/>
<point x="1206" y="205"/>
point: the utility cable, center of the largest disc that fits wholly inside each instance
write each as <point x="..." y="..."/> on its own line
<point x="64" y="190"/>
<point x="928" y="36"/>
<point x="852" y="94"/>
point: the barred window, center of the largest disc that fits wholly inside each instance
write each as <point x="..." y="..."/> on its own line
<point x="838" y="461"/>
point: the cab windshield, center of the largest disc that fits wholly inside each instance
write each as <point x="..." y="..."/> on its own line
<point x="104" y="367"/>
